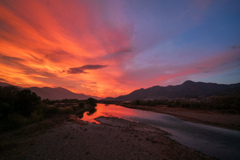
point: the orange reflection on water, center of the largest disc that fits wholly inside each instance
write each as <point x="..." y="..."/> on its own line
<point x="108" y="111"/>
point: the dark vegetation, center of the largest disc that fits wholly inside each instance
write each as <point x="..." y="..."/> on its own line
<point x="72" y="106"/>
<point x="20" y="107"/>
<point x="24" y="115"/>
<point x="224" y="104"/>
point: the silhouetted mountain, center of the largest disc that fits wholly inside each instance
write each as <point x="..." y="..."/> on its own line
<point x="5" y="84"/>
<point x="55" y="93"/>
<point x="188" y="89"/>
<point x="58" y="93"/>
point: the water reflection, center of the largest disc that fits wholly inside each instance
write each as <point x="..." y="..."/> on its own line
<point x="108" y="111"/>
<point x="212" y="141"/>
<point x="91" y="111"/>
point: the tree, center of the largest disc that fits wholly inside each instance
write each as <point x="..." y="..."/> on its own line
<point x="27" y="102"/>
<point x="92" y="102"/>
<point x="8" y="96"/>
<point x="80" y="104"/>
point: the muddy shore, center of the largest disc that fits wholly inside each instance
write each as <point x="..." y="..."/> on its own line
<point x="213" y="118"/>
<point x="114" y="138"/>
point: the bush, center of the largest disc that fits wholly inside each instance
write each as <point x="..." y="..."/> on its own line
<point x="19" y="107"/>
<point x="27" y="102"/>
<point x="80" y="104"/>
<point x="16" y="121"/>
<point x="92" y="102"/>
<point x="68" y="110"/>
<point x="5" y="109"/>
<point x="91" y="111"/>
<point x="36" y="116"/>
<point x="74" y="108"/>
<point x="8" y="97"/>
<point x="13" y="100"/>
<point x="50" y="111"/>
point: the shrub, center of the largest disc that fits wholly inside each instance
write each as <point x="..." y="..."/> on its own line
<point x="15" y="121"/>
<point x="92" y="102"/>
<point x="13" y="100"/>
<point x="91" y="110"/>
<point x="50" y="111"/>
<point x="80" y="104"/>
<point x="36" y="116"/>
<point x="74" y="108"/>
<point x="68" y="110"/>
<point x="5" y="109"/>
<point x="27" y="102"/>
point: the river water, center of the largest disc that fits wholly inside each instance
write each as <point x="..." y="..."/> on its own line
<point x="213" y="141"/>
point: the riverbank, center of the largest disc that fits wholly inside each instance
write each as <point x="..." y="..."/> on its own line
<point x="213" y="118"/>
<point x="114" y="138"/>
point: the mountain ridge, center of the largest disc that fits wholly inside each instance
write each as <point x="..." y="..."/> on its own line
<point x="57" y="93"/>
<point x="187" y="89"/>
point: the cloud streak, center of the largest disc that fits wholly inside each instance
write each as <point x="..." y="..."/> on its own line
<point x="83" y="68"/>
<point x="143" y="43"/>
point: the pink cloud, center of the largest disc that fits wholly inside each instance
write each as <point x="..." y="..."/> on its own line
<point x="40" y="39"/>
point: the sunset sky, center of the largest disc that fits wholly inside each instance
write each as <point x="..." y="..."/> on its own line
<point x="109" y="47"/>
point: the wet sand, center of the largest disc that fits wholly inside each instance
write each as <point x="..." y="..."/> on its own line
<point x="114" y="138"/>
<point x="213" y="118"/>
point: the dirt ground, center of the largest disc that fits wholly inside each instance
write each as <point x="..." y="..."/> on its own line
<point x="114" y="138"/>
<point x="229" y="121"/>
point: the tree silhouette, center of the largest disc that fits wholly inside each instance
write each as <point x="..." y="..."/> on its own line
<point x="92" y="102"/>
<point x="14" y="100"/>
<point x="27" y="102"/>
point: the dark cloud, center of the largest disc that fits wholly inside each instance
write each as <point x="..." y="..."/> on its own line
<point x="57" y="55"/>
<point x="201" y="68"/>
<point x="75" y="70"/>
<point x="124" y="50"/>
<point x="2" y="80"/>
<point x="46" y="74"/>
<point x="234" y="47"/>
<point x="11" y="59"/>
<point x="83" y="68"/>
<point x="121" y="56"/>
<point x="6" y="27"/>
<point x="88" y="67"/>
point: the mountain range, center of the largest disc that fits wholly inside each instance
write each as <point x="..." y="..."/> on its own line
<point x="55" y="93"/>
<point x="58" y="93"/>
<point x="188" y="89"/>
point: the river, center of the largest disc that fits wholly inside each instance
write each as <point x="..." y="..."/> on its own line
<point x="216" y="142"/>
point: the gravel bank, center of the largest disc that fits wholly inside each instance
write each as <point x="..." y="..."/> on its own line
<point x="213" y="118"/>
<point x="114" y="138"/>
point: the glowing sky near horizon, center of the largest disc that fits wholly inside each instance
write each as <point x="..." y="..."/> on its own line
<point x="109" y="47"/>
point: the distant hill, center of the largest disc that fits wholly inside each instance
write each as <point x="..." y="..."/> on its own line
<point x="5" y="84"/>
<point x="188" y="89"/>
<point x="55" y="93"/>
<point x="58" y="93"/>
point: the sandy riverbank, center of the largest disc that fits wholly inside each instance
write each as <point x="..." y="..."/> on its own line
<point x="229" y="121"/>
<point x="114" y="138"/>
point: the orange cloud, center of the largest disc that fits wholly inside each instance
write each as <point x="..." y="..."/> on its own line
<point x="41" y="39"/>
